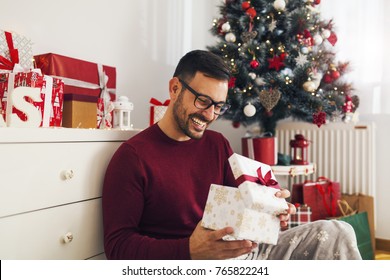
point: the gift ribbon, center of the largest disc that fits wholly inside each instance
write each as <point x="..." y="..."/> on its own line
<point x="265" y="181"/>
<point x="328" y="193"/>
<point x="156" y="102"/>
<point x="5" y="63"/>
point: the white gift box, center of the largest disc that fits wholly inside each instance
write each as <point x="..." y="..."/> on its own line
<point x="251" y="209"/>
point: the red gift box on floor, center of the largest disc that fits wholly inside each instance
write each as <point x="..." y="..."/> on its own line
<point x="263" y="149"/>
<point x="321" y="195"/>
<point x="30" y="100"/>
<point x="82" y="78"/>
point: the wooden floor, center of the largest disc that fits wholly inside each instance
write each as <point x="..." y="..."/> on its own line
<point x="382" y="255"/>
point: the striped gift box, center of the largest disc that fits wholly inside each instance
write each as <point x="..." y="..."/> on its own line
<point x="302" y="216"/>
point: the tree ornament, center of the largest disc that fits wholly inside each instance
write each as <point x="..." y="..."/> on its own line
<point x="317" y="39"/>
<point x="279" y="5"/>
<point x="251" y="12"/>
<point x="332" y="39"/>
<point x="269" y="98"/>
<point x="230" y="37"/>
<point x="236" y="124"/>
<point x="249" y="110"/>
<point x="252" y="75"/>
<point x="348" y="105"/>
<point x="335" y="74"/>
<point x="328" y="78"/>
<point x="275" y="63"/>
<point x="309" y="86"/>
<point x="232" y="82"/>
<point x="248" y="35"/>
<point x="254" y="64"/>
<point x="319" y="118"/>
<point x="260" y="81"/>
<point x="246" y="5"/>
<point x="325" y="33"/>
<point x="226" y="27"/>
<point x="305" y="50"/>
<point x="317" y="2"/>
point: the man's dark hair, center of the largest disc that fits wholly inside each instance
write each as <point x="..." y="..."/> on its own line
<point x="203" y="61"/>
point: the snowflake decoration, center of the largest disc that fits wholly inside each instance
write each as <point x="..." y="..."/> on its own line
<point x="272" y="25"/>
<point x="301" y="59"/>
<point x="322" y="236"/>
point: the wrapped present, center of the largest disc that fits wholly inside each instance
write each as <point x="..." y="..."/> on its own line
<point x="252" y="208"/>
<point x="302" y="216"/>
<point x="321" y="195"/>
<point x="157" y="110"/>
<point x="30" y="100"/>
<point x="15" y="49"/>
<point x="84" y="81"/>
<point x="263" y="148"/>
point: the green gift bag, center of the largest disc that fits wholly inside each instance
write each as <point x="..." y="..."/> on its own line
<point x="359" y="222"/>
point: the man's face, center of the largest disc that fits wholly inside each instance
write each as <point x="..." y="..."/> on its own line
<point x="193" y="121"/>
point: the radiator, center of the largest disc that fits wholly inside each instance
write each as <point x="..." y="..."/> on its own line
<point x="341" y="152"/>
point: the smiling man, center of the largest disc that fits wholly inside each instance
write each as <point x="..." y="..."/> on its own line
<point x="157" y="182"/>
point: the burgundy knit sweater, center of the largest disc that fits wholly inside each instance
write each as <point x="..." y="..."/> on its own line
<point x="155" y="190"/>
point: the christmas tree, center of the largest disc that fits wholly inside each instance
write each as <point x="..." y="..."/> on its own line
<point x="283" y="63"/>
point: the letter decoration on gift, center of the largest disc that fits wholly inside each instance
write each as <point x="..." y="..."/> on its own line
<point x="18" y="100"/>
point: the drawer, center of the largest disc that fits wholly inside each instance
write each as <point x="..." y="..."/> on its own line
<point x="41" y="175"/>
<point x="40" y="234"/>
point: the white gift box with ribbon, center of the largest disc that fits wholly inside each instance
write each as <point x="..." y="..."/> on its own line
<point x="252" y="209"/>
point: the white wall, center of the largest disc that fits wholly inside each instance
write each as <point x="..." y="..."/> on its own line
<point x="144" y="40"/>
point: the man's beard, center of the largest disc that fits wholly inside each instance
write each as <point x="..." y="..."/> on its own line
<point x="183" y="122"/>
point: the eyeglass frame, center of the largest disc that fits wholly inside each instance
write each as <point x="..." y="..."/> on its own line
<point x="197" y="95"/>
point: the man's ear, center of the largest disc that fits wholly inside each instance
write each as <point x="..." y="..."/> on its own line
<point x="174" y="87"/>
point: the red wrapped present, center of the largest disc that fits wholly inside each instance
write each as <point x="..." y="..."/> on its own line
<point x="321" y="195"/>
<point x="30" y="100"/>
<point x="15" y="49"/>
<point x="263" y="149"/>
<point x="302" y="216"/>
<point x="82" y="78"/>
<point x="157" y="110"/>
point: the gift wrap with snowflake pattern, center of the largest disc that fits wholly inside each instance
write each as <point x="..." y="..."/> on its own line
<point x="251" y="209"/>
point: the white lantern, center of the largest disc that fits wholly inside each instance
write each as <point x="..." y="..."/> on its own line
<point x="122" y="109"/>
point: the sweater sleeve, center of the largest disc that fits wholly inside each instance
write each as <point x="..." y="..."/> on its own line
<point x="123" y="203"/>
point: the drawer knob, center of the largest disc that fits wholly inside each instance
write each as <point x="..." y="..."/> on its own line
<point x="68" y="237"/>
<point x="68" y="174"/>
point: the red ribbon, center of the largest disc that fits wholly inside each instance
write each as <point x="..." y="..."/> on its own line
<point x="265" y="181"/>
<point x="330" y="192"/>
<point x="156" y="102"/>
<point x="5" y="63"/>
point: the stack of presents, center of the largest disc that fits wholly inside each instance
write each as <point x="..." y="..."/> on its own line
<point x="51" y="90"/>
<point x="252" y="208"/>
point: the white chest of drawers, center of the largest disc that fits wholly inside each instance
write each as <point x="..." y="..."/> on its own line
<point x="50" y="191"/>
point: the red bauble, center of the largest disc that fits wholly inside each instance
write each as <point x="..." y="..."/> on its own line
<point x="254" y="64"/>
<point x="328" y="78"/>
<point x="282" y="56"/>
<point x="335" y="74"/>
<point x="317" y="2"/>
<point x="251" y="12"/>
<point x="245" y="5"/>
<point x="232" y="82"/>
<point x="236" y="124"/>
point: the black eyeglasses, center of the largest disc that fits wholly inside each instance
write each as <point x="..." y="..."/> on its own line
<point x="204" y="102"/>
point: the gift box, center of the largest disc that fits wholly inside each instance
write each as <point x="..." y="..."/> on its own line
<point x="322" y="196"/>
<point x="15" y="49"/>
<point x="157" y="110"/>
<point x="252" y="208"/>
<point x="30" y="100"/>
<point x="84" y="82"/>
<point x="302" y="216"/>
<point x="263" y="149"/>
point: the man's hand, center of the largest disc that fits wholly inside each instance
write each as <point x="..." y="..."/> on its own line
<point x="208" y="244"/>
<point x="284" y="193"/>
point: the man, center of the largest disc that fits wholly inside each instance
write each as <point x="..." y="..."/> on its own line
<point x="157" y="183"/>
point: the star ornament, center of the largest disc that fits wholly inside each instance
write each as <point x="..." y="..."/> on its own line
<point x="301" y="59"/>
<point x="275" y="63"/>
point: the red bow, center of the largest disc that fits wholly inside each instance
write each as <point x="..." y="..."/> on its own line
<point x="5" y="63"/>
<point x="265" y="181"/>
<point x="156" y="102"/>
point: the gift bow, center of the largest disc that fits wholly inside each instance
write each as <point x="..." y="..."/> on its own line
<point x="5" y="63"/>
<point x="156" y="102"/>
<point x="265" y="181"/>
